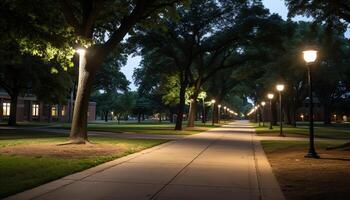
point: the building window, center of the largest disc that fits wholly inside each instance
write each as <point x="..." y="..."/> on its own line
<point x="63" y="111"/>
<point x="35" y="110"/>
<point x="6" y="109"/>
<point x="54" y="111"/>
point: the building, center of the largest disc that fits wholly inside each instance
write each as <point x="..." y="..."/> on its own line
<point x="30" y="109"/>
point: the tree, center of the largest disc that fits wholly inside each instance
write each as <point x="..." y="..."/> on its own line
<point x="29" y="54"/>
<point x="102" y="26"/>
<point x="124" y="104"/>
<point x="202" y="42"/>
<point x="108" y="85"/>
<point x="320" y="9"/>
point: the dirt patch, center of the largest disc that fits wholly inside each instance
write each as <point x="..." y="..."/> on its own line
<point x="63" y="151"/>
<point x="321" y="179"/>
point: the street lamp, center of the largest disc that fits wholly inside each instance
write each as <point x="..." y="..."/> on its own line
<point x="262" y="114"/>
<point x="280" y="88"/>
<point x="270" y="97"/>
<point x="310" y="57"/>
<point x="219" y="113"/>
<point x="213" y="106"/>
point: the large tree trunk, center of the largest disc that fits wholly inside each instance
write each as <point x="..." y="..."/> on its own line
<point x="180" y="107"/>
<point x="171" y="115"/>
<point x="216" y="116"/>
<point x="204" y="117"/>
<point x="327" y="118"/>
<point x="106" y="116"/>
<point x="287" y="114"/>
<point x="192" y="113"/>
<point x="139" y="118"/>
<point x="294" y="116"/>
<point x="49" y="114"/>
<point x="13" y="110"/>
<point x="87" y="70"/>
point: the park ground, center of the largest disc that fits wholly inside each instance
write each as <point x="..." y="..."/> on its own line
<point x="30" y="155"/>
<point x="304" y="178"/>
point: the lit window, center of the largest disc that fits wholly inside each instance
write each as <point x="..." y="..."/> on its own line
<point x="63" y="111"/>
<point x="54" y="111"/>
<point x="6" y="109"/>
<point x="35" y="110"/>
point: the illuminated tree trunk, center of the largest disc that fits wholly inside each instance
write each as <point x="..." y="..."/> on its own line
<point x="180" y="107"/>
<point x="192" y="113"/>
<point x="87" y="70"/>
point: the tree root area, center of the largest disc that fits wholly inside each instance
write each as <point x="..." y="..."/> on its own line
<point x="68" y="150"/>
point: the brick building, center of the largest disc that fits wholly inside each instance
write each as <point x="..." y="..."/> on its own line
<point x="30" y="109"/>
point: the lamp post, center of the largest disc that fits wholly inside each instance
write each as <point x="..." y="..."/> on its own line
<point x="270" y="97"/>
<point x="213" y="106"/>
<point x="219" y="113"/>
<point x="262" y="114"/>
<point x="310" y="57"/>
<point x="280" y="88"/>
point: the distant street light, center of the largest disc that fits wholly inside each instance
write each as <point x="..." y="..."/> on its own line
<point x="219" y="113"/>
<point x="280" y="88"/>
<point x="270" y="97"/>
<point x="262" y="114"/>
<point x="310" y="57"/>
<point x="213" y="106"/>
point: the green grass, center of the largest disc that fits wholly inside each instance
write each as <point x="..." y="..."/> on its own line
<point x="163" y="128"/>
<point x="18" y="173"/>
<point x="322" y="131"/>
<point x="271" y="146"/>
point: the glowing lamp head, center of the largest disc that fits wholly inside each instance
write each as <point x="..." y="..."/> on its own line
<point x="270" y="96"/>
<point x="263" y="103"/>
<point x="280" y="87"/>
<point x="213" y="101"/>
<point x="81" y="51"/>
<point x="310" y="56"/>
<point x="225" y="107"/>
<point x="219" y="106"/>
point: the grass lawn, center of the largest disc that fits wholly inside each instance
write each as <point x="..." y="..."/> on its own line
<point x="163" y="128"/>
<point x="29" y="159"/>
<point x="322" y="131"/>
<point x="300" y="178"/>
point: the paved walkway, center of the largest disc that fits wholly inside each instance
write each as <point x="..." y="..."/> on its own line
<point x="223" y="163"/>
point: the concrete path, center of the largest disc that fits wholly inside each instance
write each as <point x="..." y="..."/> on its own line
<point x="223" y="163"/>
